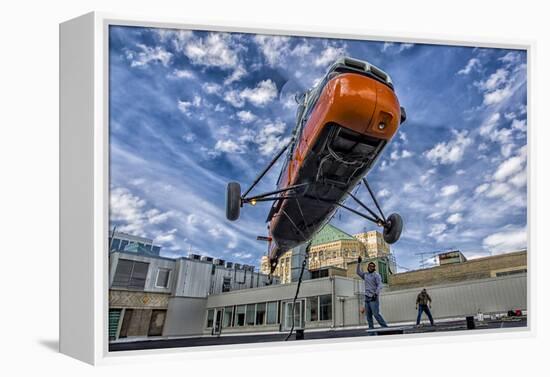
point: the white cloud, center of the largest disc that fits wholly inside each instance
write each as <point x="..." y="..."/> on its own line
<point x="237" y="74"/>
<point x="215" y="51"/>
<point x="262" y="94"/>
<point x="395" y="155"/>
<point x="166" y="237"/>
<point x="131" y="212"/>
<point x="457" y="205"/>
<point x="498" y="189"/>
<point x="228" y="146"/>
<point x="510" y="58"/>
<point x="302" y="49"/>
<point x="386" y="46"/>
<point x="497" y="96"/>
<point x="510" y="116"/>
<point x="426" y="176"/>
<point x="246" y="116"/>
<point x="405" y="46"/>
<point x="520" y="179"/>
<point x="449" y="190"/>
<point x="489" y="124"/>
<point x="211" y="88"/>
<point x="496" y="79"/>
<point x="435" y="215"/>
<point x="148" y="55"/>
<point x="189" y="137"/>
<point x="489" y="129"/>
<point x="455" y="218"/>
<point x="508" y="168"/>
<point x="511" y="239"/>
<point x="273" y="47"/>
<point x="182" y="74"/>
<point x="405" y="153"/>
<point x="179" y="38"/>
<point x="402" y="47"/>
<point x="384" y="193"/>
<point x="270" y="138"/>
<point x="502" y="83"/>
<point x="450" y="152"/>
<point x="216" y="232"/>
<point x="520" y="125"/>
<point x="437" y="230"/>
<point x="473" y="63"/>
<point x="154" y="216"/>
<point x="482" y="188"/>
<point x="186" y="106"/>
<point x="242" y="255"/>
<point x="329" y="55"/>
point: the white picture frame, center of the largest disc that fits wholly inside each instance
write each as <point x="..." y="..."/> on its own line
<point x="84" y="180"/>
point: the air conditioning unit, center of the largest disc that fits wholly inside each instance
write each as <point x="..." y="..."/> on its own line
<point x="237" y="266"/>
<point x="194" y="257"/>
<point x="204" y="258"/>
<point x="219" y="262"/>
<point x="229" y="264"/>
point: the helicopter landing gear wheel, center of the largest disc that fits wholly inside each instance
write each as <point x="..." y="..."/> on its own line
<point x="393" y="228"/>
<point x="233" y="201"/>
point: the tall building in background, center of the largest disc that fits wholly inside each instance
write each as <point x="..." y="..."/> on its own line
<point x="333" y="248"/>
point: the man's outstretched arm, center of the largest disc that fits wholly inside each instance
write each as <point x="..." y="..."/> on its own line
<point x="358" y="270"/>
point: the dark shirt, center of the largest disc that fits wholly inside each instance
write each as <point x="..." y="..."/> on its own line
<point x="423" y="298"/>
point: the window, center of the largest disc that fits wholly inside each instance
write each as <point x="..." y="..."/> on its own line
<point x="272" y="312"/>
<point x="226" y="287"/>
<point x="313" y="306"/>
<point x="228" y="316"/>
<point x="130" y="274"/>
<point x="239" y="315"/>
<point x="163" y="275"/>
<point x="325" y="307"/>
<point x="123" y="244"/>
<point x="260" y="313"/>
<point x="210" y="318"/>
<point x="115" y="242"/>
<point x="250" y="309"/>
<point x="317" y="274"/>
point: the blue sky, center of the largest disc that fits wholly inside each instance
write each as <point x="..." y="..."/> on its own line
<point x="193" y="110"/>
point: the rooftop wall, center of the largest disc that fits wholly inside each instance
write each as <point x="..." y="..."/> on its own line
<point x="480" y="268"/>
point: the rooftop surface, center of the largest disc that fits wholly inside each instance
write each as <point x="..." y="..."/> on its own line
<point x="209" y="340"/>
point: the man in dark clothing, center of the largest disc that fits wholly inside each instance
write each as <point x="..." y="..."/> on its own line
<point x="373" y="285"/>
<point x="423" y="304"/>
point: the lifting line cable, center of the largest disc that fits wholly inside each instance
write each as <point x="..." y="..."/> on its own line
<point x="296" y="296"/>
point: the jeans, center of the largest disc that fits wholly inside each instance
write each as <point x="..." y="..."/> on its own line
<point x="426" y="309"/>
<point x="372" y="309"/>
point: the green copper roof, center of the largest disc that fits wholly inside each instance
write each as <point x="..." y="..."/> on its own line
<point x="329" y="233"/>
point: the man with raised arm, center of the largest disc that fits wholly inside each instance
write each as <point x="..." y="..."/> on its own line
<point x="373" y="285"/>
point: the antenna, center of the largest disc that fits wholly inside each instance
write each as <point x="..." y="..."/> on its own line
<point x="112" y="238"/>
<point x="425" y="256"/>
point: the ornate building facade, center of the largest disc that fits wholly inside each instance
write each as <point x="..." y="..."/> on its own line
<point x="332" y="247"/>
